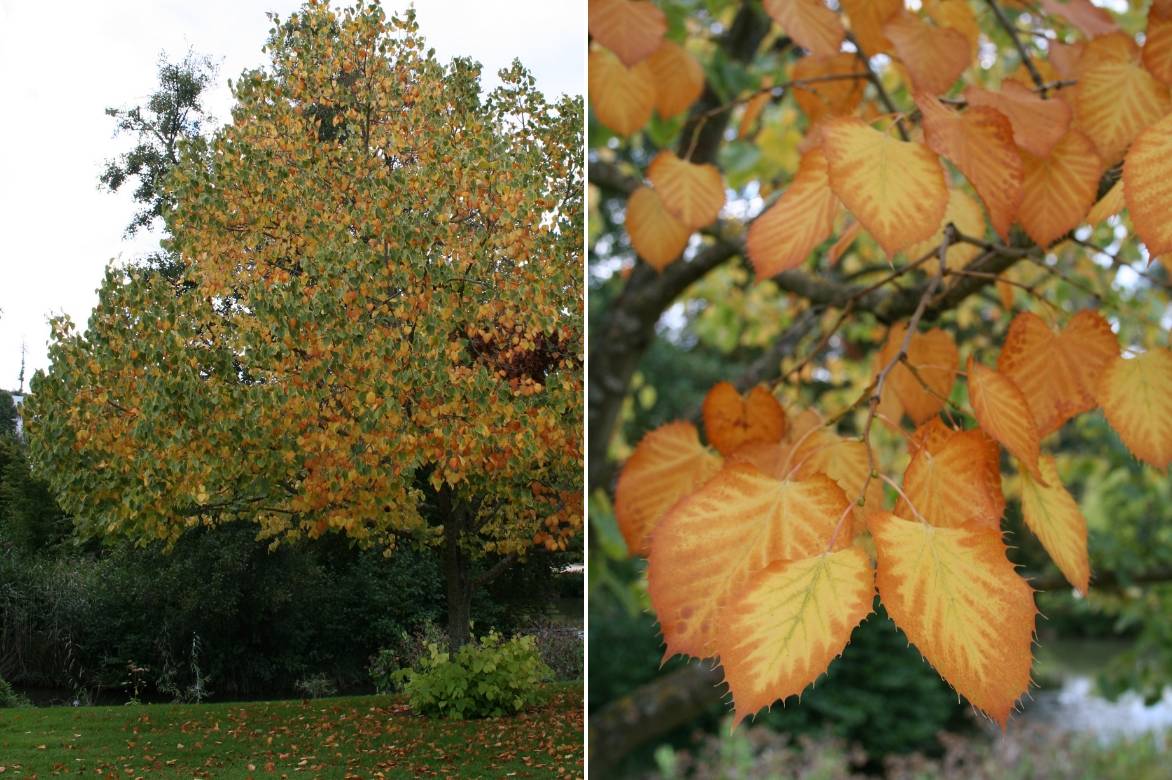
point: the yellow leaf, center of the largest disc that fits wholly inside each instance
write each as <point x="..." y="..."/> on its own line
<point x="1003" y="413"/>
<point x="1056" y="520"/>
<point x="1147" y="186"/>
<point x="960" y="602"/>
<point x="814" y="26"/>
<point x="789" y="230"/>
<point x="954" y="478"/>
<point x="693" y="194"/>
<point x="1116" y="98"/>
<point x="679" y="79"/>
<point x="732" y="420"/>
<point x="1136" y="396"/>
<point x="896" y="189"/>
<point x="867" y="18"/>
<point x="632" y="29"/>
<point x="1059" y="190"/>
<point x="793" y="618"/>
<point x="980" y="143"/>
<point x="710" y="544"/>
<point x="1038" y="125"/>
<point x="1109" y="205"/>
<point x="668" y="464"/>
<point x="964" y="212"/>
<point x="934" y="56"/>
<point x="1056" y="372"/>
<point x="657" y="236"/>
<point x="623" y="97"/>
<point x="955" y="14"/>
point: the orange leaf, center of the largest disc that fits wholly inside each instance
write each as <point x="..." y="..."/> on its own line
<point x="1116" y="97"/>
<point x="957" y="15"/>
<point x="732" y="420"/>
<point x="1003" y="413"/>
<point x="669" y="463"/>
<point x="709" y="546"/>
<point x="693" y="194"/>
<point x="1136" y="396"/>
<point x="934" y="357"/>
<point x="980" y="143"/>
<point x="754" y="107"/>
<point x="814" y="26"/>
<point x="792" y="619"/>
<point x="955" y="594"/>
<point x="632" y="29"/>
<point x="820" y="99"/>
<point x="657" y="236"/>
<point x="934" y="56"/>
<point x="679" y="79"/>
<point x="1056" y="520"/>
<point x="896" y="189"/>
<point x="622" y="97"/>
<point x="843" y="242"/>
<point x="1038" y="125"/>
<point x="789" y="230"/>
<point x="1059" y="190"/>
<point x="867" y="18"/>
<point x="1157" y="50"/>
<point x="954" y="478"/>
<point x="1083" y="14"/>
<point x="1147" y="186"/>
<point x="1056" y="372"/>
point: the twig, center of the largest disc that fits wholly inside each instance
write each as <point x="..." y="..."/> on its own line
<point x="1117" y="264"/>
<point x="884" y="98"/>
<point x="777" y="90"/>
<point x="1021" y="50"/>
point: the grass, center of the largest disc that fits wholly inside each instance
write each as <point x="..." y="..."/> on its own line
<point x="365" y="736"/>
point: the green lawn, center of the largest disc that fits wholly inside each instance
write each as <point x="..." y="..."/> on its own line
<point x="366" y="736"/>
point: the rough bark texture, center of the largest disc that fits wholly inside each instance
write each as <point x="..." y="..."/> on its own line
<point x="650" y="711"/>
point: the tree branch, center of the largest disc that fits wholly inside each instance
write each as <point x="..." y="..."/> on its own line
<point x="1040" y="82"/>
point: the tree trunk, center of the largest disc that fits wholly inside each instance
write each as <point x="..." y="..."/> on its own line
<point x="456" y="572"/>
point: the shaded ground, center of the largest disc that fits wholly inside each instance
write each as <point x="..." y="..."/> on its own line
<point x="367" y="736"/>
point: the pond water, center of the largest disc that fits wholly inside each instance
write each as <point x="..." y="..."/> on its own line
<point x="1077" y="708"/>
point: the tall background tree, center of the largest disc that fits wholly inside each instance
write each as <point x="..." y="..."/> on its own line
<point x="378" y="325"/>
<point x="736" y="237"/>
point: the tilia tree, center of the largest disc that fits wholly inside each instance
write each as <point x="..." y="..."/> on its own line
<point x="889" y="163"/>
<point x="378" y="327"/>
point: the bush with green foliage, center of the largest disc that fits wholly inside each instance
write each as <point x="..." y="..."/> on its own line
<point x="9" y="697"/>
<point x="486" y="678"/>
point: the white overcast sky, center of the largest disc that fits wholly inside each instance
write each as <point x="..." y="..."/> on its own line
<point x="62" y="63"/>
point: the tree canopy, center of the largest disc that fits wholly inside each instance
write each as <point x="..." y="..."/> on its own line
<point x="378" y="326"/>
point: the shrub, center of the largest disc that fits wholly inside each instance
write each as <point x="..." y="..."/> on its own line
<point x="316" y="686"/>
<point x="9" y="697"/>
<point x="562" y="649"/>
<point x="405" y="653"/>
<point x="488" y="678"/>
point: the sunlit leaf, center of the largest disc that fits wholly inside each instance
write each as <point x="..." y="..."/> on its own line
<point x="960" y="602"/>
<point x="732" y="420"/>
<point x="632" y="29"/>
<point x="693" y="194"/>
<point x="1136" y="396"/>
<point x="1004" y="414"/>
<point x="814" y="26"/>
<point x="622" y="97"/>
<point x="657" y="236"/>
<point x="1056" y="520"/>
<point x="1059" y="190"/>
<point x="784" y="236"/>
<point x="896" y="189"/>
<point x="709" y="546"/>
<point x="791" y="620"/>
<point x="668" y="464"/>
